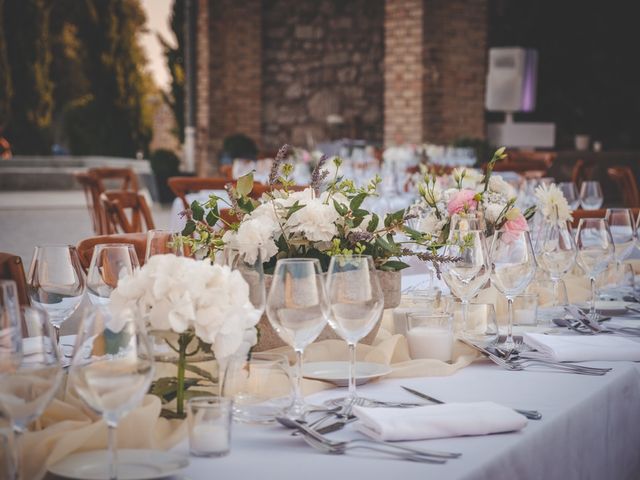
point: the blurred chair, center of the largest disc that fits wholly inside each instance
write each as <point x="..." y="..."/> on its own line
<point x="625" y="180"/>
<point x="226" y="171"/>
<point x="181" y="186"/>
<point x="92" y="196"/>
<point x="600" y="213"/>
<point x="11" y="269"/>
<point x="126" y="176"/>
<point x="582" y="171"/>
<point x="125" y="212"/>
<point x="85" y="247"/>
<point x="529" y="164"/>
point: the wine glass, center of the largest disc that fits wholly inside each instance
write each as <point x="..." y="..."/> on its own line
<point x="356" y="302"/>
<point x="30" y="371"/>
<point x="466" y="276"/>
<point x="591" y="195"/>
<point x="162" y="242"/>
<point x="111" y="370"/>
<point x="556" y="254"/>
<point x="110" y="262"/>
<point x="513" y="266"/>
<point x="56" y="282"/>
<point x="570" y="192"/>
<point x="297" y="309"/>
<point x="595" y="251"/>
<point x="620" y="222"/>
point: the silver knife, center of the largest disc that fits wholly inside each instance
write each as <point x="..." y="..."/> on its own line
<point x="530" y="414"/>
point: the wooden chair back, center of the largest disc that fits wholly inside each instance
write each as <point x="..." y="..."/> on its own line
<point x="626" y="182"/>
<point x="92" y="196"/>
<point x="85" y="247"/>
<point x="126" y="176"/>
<point x="126" y="211"/>
<point x="181" y="186"/>
<point x="11" y="269"/>
<point x="599" y="213"/>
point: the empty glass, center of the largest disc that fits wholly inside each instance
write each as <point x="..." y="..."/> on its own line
<point x="250" y="267"/>
<point x="30" y="371"/>
<point x="620" y="222"/>
<point x="468" y="275"/>
<point x="556" y="254"/>
<point x="110" y="262"/>
<point x="111" y="371"/>
<point x="591" y="195"/>
<point x="596" y="251"/>
<point x="481" y="326"/>
<point x="56" y="282"/>
<point x="570" y="192"/>
<point x="297" y="309"/>
<point x="162" y="242"/>
<point x="356" y="300"/>
<point x="513" y="266"/>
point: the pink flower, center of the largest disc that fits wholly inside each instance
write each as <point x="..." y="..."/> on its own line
<point x="463" y="201"/>
<point x="513" y="228"/>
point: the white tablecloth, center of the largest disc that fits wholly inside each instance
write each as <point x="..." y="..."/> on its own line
<point x="590" y="430"/>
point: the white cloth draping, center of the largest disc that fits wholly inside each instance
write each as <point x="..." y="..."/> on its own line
<point x="582" y="348"/>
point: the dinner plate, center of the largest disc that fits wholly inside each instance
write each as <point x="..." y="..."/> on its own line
<point x="608" y="307"/>
<point x="338" y="372"/>
<point x="133" y="464"/>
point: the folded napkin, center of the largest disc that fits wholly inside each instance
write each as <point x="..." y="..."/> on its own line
<point x="582" y="348"/>
<point x="437" y="421"/>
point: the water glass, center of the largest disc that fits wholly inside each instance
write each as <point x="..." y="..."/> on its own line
<point x="430" y="335"/>
<point x="110" y="262"/>
<point x="162" y="242"/>
<point x="525" y="309"/>
<point x="482" y="324"/>
<point x="570" y="192"/>
<point x="209" y="420"/>
<point x="620" y="222"/>
<point x="260" y="387"/>
<point x="591" y="195"/>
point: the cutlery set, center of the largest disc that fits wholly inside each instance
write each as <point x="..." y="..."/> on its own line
<point x="585" y="325"/>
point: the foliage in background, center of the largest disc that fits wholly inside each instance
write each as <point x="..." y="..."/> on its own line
<point x="25" y="27"/>
<point x="239" y="145"/>
<point x="6" y="89"/>
<point x="175" y="62"/>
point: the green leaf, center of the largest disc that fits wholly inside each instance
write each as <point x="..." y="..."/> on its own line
<point x="212" y="217"/>
<point x="294" y="208"/>
<point x="245" y="184"/>
<point x="341" y="209"/>
<point x="246" y="205"/>
<point x="359" y="212"/>
<point x="199" y="371"/>
<point x="373" y="223"/>
<point x="357" y="201"/>
<point x="382" y="243"/>
<point x="189" y="228"/>
<point x="393" y="265"/>
<point x="197" y="211"/>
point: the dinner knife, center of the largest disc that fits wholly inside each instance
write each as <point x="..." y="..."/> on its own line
<point x="530" y="414"/>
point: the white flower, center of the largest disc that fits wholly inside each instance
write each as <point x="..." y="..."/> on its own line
<point x="492" y="211"/>
<point x="254" y="235"/>
<point x="431" y="224"/>
<point x="180" y="293"/>
<point x="316" y="221"/>
<point x="553" y="206"/>
<point x="499" y="185"/>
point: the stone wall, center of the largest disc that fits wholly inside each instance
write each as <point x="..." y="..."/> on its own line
<point x="320" y="58"/>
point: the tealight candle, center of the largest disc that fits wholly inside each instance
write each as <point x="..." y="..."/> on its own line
<point x="209" y="426"/>
<point x="430" y="336"/>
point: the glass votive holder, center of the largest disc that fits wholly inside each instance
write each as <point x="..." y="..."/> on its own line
<point x="209" y="421"/>
<point x="430" y="335"/>
<point x="525" y="310"/>
<point x="482" y="324"/>
<point x="428" y="300"/>
<point x="260" y="387"/>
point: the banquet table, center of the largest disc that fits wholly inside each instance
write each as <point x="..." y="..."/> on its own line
<point x="590" y="430"/>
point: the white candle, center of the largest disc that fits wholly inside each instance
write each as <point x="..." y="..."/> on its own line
<point x="522" y="316"/>
<point x="209" y="438"/>
<point x="428" y="342"/>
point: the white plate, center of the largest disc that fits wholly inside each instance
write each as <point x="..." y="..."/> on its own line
<point x="132" y="464"/>
<point x="338" y="372"/>
<point x="608" y="307"/>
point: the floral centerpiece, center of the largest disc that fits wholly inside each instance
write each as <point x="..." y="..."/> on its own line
<point x="206" y="305"/>
<point x="553" y="206"/>
<point x="468" y="193"/>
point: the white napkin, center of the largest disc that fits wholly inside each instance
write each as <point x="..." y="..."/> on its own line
<point x="437" y="421"/>
<point x="582" y="348"/>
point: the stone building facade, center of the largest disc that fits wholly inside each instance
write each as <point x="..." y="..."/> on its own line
<point x="394" y="71"/>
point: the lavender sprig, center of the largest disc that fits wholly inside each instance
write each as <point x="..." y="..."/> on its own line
<point x="434" y="258"/>
<point x="275" y="168"/>
<point x="319" y="175"/>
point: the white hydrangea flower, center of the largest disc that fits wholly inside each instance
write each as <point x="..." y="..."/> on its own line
<point x="431" y="224"/>
<point x="315" y="221"/>
<point x="492" y="211"/>
<point x="499" y="185"/>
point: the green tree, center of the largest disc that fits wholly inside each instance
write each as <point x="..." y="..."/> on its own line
<point x="114" y="118"/>
<point x="6" y="89"/>
<point x="175" y="62"/>
<point x="25" y="25"/>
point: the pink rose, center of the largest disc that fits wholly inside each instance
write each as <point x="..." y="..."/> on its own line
<point x="463" y="201"/>
<point x="514" y="227"/>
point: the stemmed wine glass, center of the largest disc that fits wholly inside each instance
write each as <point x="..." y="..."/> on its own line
<point x="595" y="251"/>
<point x="161" y="242"/>
<point x="469" y="273"/>
<point x="591" y="195"/>
<point x="56" y="282"/>
<point x="30" y="369"/>
<point x="570" y="192"/>
<point x="354" y="292"/>
<point x="556" y="254"/>
<point x="110" y="262"/>
<point x="111" y="370"/>
<point x="622" y="230"/>
<point x="298" y="310"/>
<point x="513" y="266"/>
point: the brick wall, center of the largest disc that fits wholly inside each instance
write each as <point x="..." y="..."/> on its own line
<point x="319" y="58"/>
<point x="203" y="72"/>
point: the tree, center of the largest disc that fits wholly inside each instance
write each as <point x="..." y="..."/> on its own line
<point x="25" y="25"/>
<point x="175" y="62"/>
<point x="6" y="89"/>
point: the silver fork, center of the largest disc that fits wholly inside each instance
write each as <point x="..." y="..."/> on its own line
<point x="518" y="359"/>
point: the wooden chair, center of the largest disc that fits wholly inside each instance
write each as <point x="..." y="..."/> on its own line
<point x="582" y="171"/>
<point x="181" y="186"/>
<point x="92" y="196"/>
<point x="126" y="176"/>
<point x="625" y="180"/>
<point x="85" y="247"/>
<point x="11" y="269"/>
<point x="117" y="202"/>
<point x="600" y="213"/>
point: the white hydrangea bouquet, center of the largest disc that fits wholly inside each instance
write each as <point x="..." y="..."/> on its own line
<point x="467" y="192"/>
<point x="196" y="300"/>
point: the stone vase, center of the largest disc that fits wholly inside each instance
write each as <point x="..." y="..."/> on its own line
<point x="390" y="282"/>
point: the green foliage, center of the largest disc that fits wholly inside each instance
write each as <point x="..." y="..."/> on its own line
<point x="6" y="88"/>
<point x="25" y="28"/>
<point x="175" y="62"/>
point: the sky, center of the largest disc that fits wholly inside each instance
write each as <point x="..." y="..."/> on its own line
<point x="158" y="14"/>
